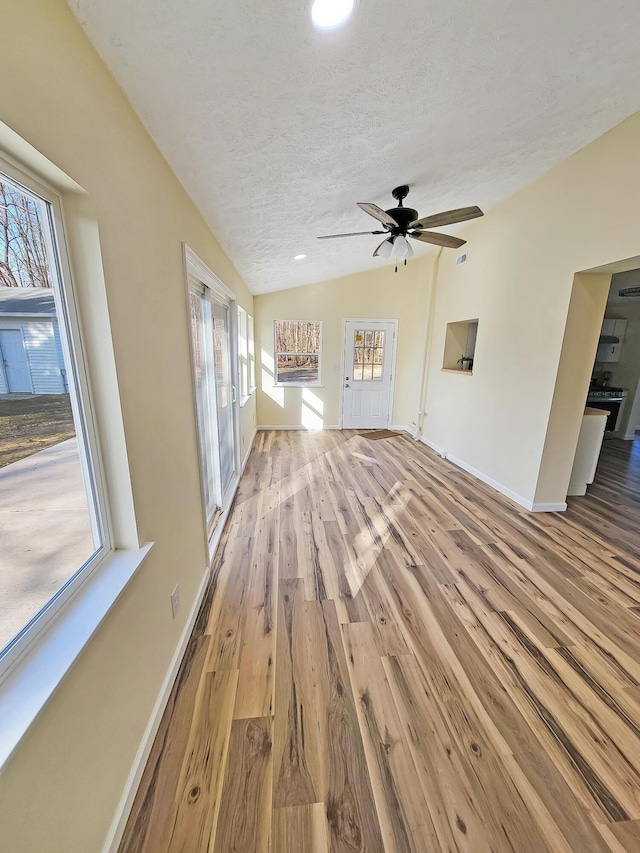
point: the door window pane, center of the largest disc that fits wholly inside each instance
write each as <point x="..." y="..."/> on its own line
<point x="49" y="514"/>
<point x="368" y="355"/>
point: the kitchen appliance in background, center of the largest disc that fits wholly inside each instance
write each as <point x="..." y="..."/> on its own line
<point x="609" y="399"/>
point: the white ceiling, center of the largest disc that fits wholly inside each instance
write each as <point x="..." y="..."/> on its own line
<point x="276" y="130"/>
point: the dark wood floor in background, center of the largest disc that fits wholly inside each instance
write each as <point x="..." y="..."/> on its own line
<point x="392" y="657"/>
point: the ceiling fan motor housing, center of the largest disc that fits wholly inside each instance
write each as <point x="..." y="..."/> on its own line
<point x="404" y="216"/>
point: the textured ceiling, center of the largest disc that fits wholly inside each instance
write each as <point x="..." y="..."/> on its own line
<point x="277" y="130"/>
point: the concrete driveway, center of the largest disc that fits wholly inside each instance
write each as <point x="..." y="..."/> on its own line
<point x="45" y="532"/>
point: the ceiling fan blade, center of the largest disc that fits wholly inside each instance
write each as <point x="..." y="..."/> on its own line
<point x="352" y="234"/>
<point x="377" y="212"/>
<point x="438" y="239"/>
<point x="447" y="217"/>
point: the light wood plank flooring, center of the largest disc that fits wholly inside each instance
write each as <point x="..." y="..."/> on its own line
<point x="392" y="657"/>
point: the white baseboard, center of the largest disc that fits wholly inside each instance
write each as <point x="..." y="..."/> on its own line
<point x="249" y="449"/>
<point x="411" y="429"/>
<point x="576" y="490"/>
<point x="116" y="830"/>
<point x="559" y="507"/>
<point x="265" y="427"/>
<point x="508" y="493"/>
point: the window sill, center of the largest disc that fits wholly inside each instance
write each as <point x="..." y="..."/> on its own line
<point x="296" y="385"/>
<point x="457" y="370"/>
<point x="245" y="400"/>
<point x="31" y="682"/>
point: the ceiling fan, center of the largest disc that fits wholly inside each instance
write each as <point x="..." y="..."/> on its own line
<point x="401" y="222"/>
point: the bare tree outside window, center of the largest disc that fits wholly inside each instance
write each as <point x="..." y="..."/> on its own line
<point x="297" y="351"/>
<point x="23" y="254"/>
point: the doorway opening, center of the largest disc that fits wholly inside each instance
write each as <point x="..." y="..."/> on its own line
<point x="597" y="381"/>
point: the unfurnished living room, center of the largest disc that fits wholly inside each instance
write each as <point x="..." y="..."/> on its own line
<point x="319" y="426"/>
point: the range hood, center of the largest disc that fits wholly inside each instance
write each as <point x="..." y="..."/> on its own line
<point x="609" y="339"/>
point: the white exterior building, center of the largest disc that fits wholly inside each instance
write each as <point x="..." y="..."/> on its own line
<point x="31" y="359"/>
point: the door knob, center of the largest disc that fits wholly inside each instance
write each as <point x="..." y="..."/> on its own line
<point x="346" y="384"/>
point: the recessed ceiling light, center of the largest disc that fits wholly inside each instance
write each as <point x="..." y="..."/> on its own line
<point x="298" y="257"/>
<point x="327" y="14"/>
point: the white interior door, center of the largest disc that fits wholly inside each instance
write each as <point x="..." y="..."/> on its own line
<point x="369" y="359"/>
<point x="14" y="360"/>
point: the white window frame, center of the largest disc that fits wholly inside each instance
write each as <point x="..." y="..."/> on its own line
<point x="252" y="353"/>
<point x="276" y="353"/>
<point x="39" y="657"/>
<point x="243" y="355"/>
<point x="73" y="349"/>
<point x="246" y="356"/>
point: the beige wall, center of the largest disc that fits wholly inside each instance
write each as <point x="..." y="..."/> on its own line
<point x="518" y="281"/>
<point x="381" y="294"/>
<point x="61" y="789"/>
<point x="506" y="422"/>
<point x="584" y="319"/>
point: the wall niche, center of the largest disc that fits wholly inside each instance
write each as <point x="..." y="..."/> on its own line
<point x="460" y="346"/>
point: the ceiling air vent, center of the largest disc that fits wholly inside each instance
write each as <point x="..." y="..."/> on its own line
<point x="629" y="291"/>
<point x="462" y="259"/>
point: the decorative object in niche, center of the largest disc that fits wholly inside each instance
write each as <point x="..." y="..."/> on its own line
<point x="460" y="346"/>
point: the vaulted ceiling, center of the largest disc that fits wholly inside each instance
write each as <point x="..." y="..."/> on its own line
<point x="276" y="130"/>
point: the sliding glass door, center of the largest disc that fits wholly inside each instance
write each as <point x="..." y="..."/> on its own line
<point x="225" y="390"/>
<point x="215" y="392"/>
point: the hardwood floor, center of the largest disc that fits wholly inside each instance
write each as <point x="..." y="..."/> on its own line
<point x="392" y="657"/>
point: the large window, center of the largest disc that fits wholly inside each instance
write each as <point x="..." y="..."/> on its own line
<point x="246" y="355"/>
<point x="52" y="515"/>
<point x="297" y="352"/>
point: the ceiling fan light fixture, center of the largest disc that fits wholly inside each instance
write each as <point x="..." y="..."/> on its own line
<point x="402" y="248"/>
<point x="386" y="249"/>
<point x="327" y="14"/>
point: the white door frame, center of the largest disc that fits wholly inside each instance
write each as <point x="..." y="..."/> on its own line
<point x="195" y="267"/>
<point x="394" y="349"/>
